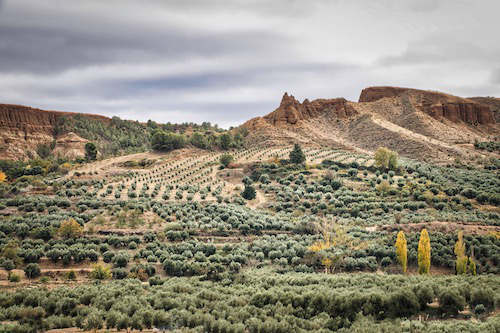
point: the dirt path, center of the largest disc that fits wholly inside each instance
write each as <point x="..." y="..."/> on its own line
<point x="419" y="137"/>
<point x="259" y="200"/>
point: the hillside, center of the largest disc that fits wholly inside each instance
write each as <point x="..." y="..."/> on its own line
<point x="23" y="130"/>
<point x="86" y="243"/>
<point x="419" y="124"/>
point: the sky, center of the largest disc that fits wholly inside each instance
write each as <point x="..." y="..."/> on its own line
<point x="229" y="61"/>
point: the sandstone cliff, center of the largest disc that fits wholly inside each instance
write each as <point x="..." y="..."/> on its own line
<point x="23" y="128"/>
<point x="493" y="102"/>
<point x="416" y="123"/>
<point x="291" y="111"/>
<point x="438" y="105"/>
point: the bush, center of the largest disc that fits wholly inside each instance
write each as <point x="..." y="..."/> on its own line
<point x="479" y="309"/>
<point x="403" y="303"/>
<point x="100" y="272"/>
<point x="249" y="192"/>
<point x="425" y="295"/>
<point x="226" y="159"/>
<point x="484" y="296"/>
<point x="121" y="260"/>
<point x="451" y="302"/>
<point x="386" y="261"/>
<point x="482" y="198"/>
<point x="469" y="193"/>
<point x="13" y="277"/>
<point x="32" y="271"/>
<point x="119" y="273"/>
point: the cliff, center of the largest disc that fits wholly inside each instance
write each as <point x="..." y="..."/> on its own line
<point x="419" y="124"/>
<point x="23" y="128"/>
<point x="438" y="105"/>
<point x="291" y="111"/>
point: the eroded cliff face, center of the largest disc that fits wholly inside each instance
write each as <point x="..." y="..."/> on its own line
<point x="471" y="113"/>
<point x="417" y="124"/>
<point x="438" y="105"/>
<point x="292" y="111"/>
<point x="23" y="128"/>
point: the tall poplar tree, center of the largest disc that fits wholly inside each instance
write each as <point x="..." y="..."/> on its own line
<point x="424" y="253"/>
<point x="401" y="250"/>
<point x="461" y="262"/>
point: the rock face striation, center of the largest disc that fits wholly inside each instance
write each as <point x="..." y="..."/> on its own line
<point x="23" y="128"/>
<point x="418" y="124"/>
<point x="291" y="111"/>
<point x="437" y="105"/>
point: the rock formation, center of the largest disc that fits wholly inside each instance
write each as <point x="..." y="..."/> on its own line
<point x="291" y="111"/>
<point x="418" y="124"/>
<point x="437" y="105"/>
<point x="23" y="128"/>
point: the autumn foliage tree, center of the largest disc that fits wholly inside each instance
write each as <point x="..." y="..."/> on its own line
<point x="334" y="237"/>
<point x="424" y="253"/>
<point x="70" y="229"/>
<point x="463" y="264"/>
<point x="100" y="272"/>
<point x="386" y="159"/>
<point x="2" y="176"/>
<point x="402" y="251"/>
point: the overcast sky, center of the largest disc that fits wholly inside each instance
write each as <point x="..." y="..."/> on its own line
<point x="228" y="61"/>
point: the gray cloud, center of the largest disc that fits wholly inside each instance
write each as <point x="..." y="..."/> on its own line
<point x="424" y="5"/>
<point x="442" y="50"/>
<point x="34" y="49"/>
<point x="227" y="61"/>
<point x="495" y="76"/>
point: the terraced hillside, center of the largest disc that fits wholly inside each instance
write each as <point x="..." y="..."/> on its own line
<point x="182" y="245"/>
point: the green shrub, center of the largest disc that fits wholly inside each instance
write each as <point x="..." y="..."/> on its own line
<point x="32" y="271"/>
<point x="451" y="302"/>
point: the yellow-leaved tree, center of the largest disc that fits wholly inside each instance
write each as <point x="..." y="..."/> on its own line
<point x="401" y="250"/>
<point x="2" y="177"/>
<point x="70" y="229"/>
<point x="461" y="262"/>
<point x="424" y="253"/>
<point x="334" y="236"/>
<point x="386" y="159"/>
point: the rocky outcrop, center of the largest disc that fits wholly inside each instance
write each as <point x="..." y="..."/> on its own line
<point x="373" y="94"/>
<point x="493" y="102"/>
<point x="471" y="113"/>
<point x="419" y="124"/>
<point x="437" y="105"/>
<point x="23" y="128"/>
<point x="292" y="111"/>
<point x="70" y="145"/>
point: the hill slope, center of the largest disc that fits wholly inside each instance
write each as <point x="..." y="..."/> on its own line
<point x="416" y="123"/>
<point x="24" y="129"/>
